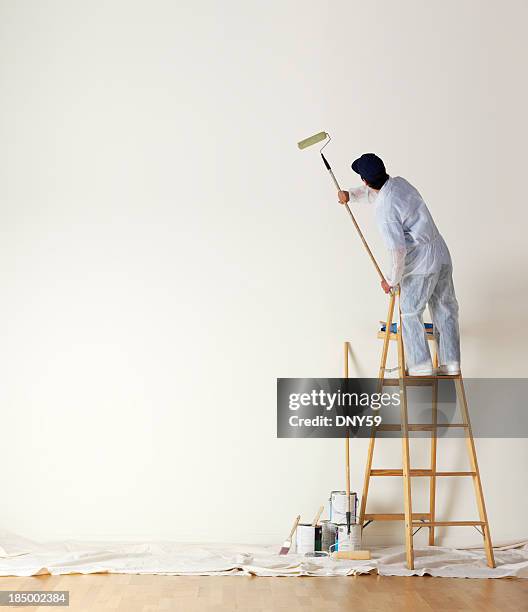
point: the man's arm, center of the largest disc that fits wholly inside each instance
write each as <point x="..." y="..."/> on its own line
<point x="398" y="264"/>
<point x="355" y="195"/>
<point x="394" y="239"/>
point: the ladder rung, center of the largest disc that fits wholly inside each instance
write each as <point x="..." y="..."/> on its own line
<point x="393" y="336"/>
<point x="417" y="381"/>
<point x="394" y="517"/>
<point x="418" y="426"/>
<point x="447" y="523"/>
<point x="417" y="472"/>
<point x="433" y="377"/>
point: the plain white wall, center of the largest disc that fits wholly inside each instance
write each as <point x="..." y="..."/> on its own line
<point x="166" y="252"/>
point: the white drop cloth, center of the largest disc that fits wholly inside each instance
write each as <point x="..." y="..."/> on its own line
<point x="22" y="557"/>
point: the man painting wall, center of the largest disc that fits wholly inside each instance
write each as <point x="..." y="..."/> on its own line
<point x="421" y="265"/>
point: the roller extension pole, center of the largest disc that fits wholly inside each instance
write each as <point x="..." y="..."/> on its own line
<point x="319" y="137"/>
<point x="373" y="259"/>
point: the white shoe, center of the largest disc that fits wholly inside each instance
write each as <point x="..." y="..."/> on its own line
<point x="421" y="369"/>
<point x="450" y="369"/>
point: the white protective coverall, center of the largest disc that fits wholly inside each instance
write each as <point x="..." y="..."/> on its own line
<point x="421" y="265"/>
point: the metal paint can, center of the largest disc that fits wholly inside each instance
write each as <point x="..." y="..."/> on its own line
<point x="349" y="541"/>
<point x="338" y="507"/>
<point x="329" y="535"/>
<point x="308" y="539"/>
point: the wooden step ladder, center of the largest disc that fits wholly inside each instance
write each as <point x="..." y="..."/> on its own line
<point x="415" y="521"/>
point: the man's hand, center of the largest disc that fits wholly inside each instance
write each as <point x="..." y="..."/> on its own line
<point x="385" y="286"/>
<point x="343" y="197"/>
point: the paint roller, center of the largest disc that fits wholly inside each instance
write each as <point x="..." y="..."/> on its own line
<point x="319" y="137"/>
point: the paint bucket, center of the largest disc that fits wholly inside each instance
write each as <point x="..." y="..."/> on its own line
<point x="308" y="539"/>
<point x="338" y="507"/>
<point x="349" y="541"/>
<point x="329" y="535"/>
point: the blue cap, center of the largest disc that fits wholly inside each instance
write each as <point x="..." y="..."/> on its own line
<point x="369" y="166"/>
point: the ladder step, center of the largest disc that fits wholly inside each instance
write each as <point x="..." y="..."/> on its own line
<point x="393" y="336"/>
<point x="395" y="517"/>
<point x="448" y="523"/>
<point x="417" y="472"/>
<point x="417" y="381"/>
<point x="418" y="426"/>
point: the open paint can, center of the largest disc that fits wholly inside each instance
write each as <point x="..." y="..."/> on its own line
<point x="329" y="535"/>
<point x="308" y="539"/>
<point x="348" y="541"/>
<point x="338" y="505"/>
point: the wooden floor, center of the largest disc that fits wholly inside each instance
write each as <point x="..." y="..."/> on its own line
<point x="147" y="593"/>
